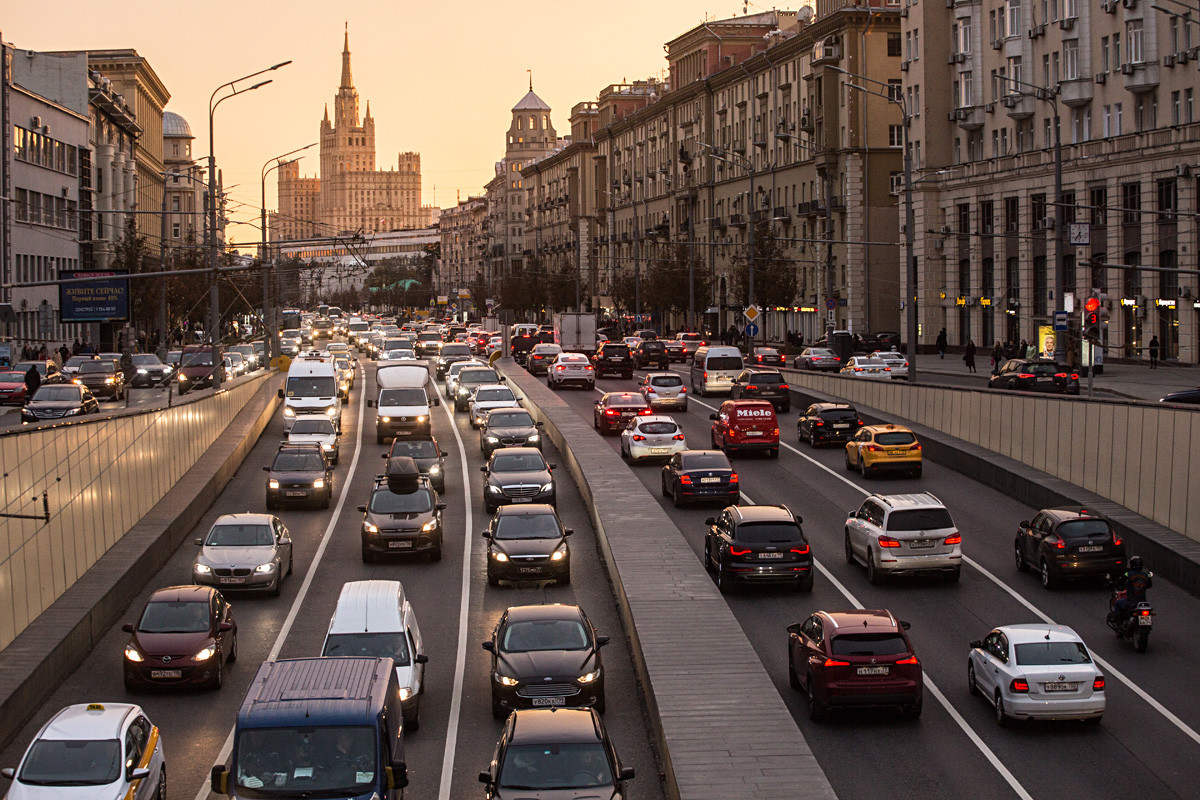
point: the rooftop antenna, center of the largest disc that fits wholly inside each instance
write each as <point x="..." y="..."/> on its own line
<point x="530" y="79"/>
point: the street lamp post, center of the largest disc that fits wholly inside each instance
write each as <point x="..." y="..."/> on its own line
<point x="269" y="334"/>
<point x="748" y="163"/>
<point x="214" y="293"/>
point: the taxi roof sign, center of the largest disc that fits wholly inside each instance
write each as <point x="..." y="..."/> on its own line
<point x="95" y="707"/>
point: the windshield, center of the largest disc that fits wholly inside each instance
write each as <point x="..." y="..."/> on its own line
<point x="429" y="336"/>
<point x="306" y="762"/>
<point x="768" y="533"/>
<point x="455" y="350"/>
<point x="298" y="462"/>
<point x="766" y="351"/>
<point x="57" y="394"/>
<point x="388" y="502"/>
<point x="510" y="419"/>
<point x="12" y="377"/>
<point x="706" y="461"/>
<point x="146" y="360"/>
<point x="666" y="380"/>
<point x="923" y="519"/>
<point x="821" y="352"/>
<point x="570" y="765"/>
<point x="546" y="634"/>
<point x="492" y="395"/>
<point x="527" y="526"/>
<point x="97" y="366"/>
<point x="403" y="397"/>
<point x="414" y="448"/>
<point x="239" y="536"/>
<point x="723" y="362"/>
<point x="869" y="644"/>
<point x="616" y="350"/>
<point x="175" y="616"/>
<point x="517" y="463"/>
<point x="396" y="344"/>
<point x="72" y="762"/>
<point x="311" y="386"/>
<point x="894" y="439"/>
<point x="1082" y="529"/>
<point x="392" y="644"/>
<point x="1044" y="654"/>
<point x="478" y="376"/>
<point x="547" y="349"/>
<point x="196" y="360"/>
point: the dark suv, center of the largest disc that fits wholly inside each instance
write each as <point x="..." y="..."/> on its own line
<point x="651" y="353"/>
<point x="1068" y="543"/>
<point x="299" y="474"/>
<point x="762" y="384"/>
<point x="103" y="378"/>
<point x="828" y="422"/>
<point x="403" y="516"/>
<point x="758" y="544"/>
<point x="614" y="357"/>
<point x="425" y="453"/>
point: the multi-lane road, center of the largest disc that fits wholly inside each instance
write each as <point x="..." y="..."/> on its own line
<point x="454" y="606"/>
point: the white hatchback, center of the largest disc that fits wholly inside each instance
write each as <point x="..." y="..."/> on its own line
<point x="867" y="367"/>
<point x="656" y="436"/>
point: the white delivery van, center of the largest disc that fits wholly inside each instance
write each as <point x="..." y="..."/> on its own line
<point x="405" y="397"/>
<point x="374" y="618"/>
<point x="714" y="369"/>
<point x="311" y="388"/>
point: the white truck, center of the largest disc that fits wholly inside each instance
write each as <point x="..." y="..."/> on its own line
<point x="405" y="399"/>
<point x="576" y="333"/>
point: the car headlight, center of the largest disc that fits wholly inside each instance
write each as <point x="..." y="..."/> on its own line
<point x="369" y="528"/>
<point x="331" y="411"/>
<point x="429" y="526"/>
<point x="533" y="437"/>
<point x="142" y="372"/>
<point x="132" y="653"/>
<point x="202" y="569"/>
<point x="77" y="382"/>
<point x="435" y="469"/>
<point x="493" y="489"/>
<point x="499" y="556"/>
<point x="558" y="555"/>
<point x="405" y="693"/>
<point x="590" y="677"/>
<point x="462" y="390"/>
<point x="263" y="569"/>
<point x="288" y="411"/>
<point x="326" y="446"/>
<point x="505" y="680"/>
<point x="73" y="411"/>
<point x="272" y="484"/>
<point x="206" y="653"/>
<point x="547" y="487"/>
<point x="493" y="439"/>
<point x="319" y="483"/>
<point x="110" y="381"/>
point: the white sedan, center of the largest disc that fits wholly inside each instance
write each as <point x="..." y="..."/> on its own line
<point x="488" y="397"/>
<point x="656" y="436"/>
<point x="495" y="345"/>
<point x="1036" y="671"/>
<point x="867" y="367"/>
<point x="896" y="361"/>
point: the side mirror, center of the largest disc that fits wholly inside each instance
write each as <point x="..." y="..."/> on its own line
<point x="266" y="469"/>
<point x="384" y="456"/>
<point x="626" y="774"/>
<point x="712" y="416"/>
<point x="421" y="658"/>
<point x="280" y="397"/>
<point x="799" y="520"/>
<point x="127" y="627"/>
<point x="539" y="424"/>
<point x="285" y="540"/>
<point x="436" y="402"/>
<point x="1024" y="523"/>
<point x="483" y="468"/>
<point x="976" y="644"/>
<point x="218" y="780"/>
<point x="602" y="640"/>
<point x="440" y="506"/>
<point x="225" y="627"/>
<point x="905" y="625"/>
<point x="370" y="404"/>
<point x="568" y="531"/>
<point x="710" y="521"/>
<point x="519" y="398"/>
<point x="554" y="466"/>
<point x="444" y="454"/>
<point x="486" y="534"/>
<point x="362" y="509"/>
<point x="484" y="777"/>
<point x="198" y="542"/>
<point x="794" y="628"/>
<point x="489" y="645"/>
<point x="9" y="773"/>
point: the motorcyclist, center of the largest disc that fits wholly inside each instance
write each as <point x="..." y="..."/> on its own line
<point x="1136" y="581"/>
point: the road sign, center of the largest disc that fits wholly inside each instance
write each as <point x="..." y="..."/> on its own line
<point x="751" y="313"/>
<point x="752" y="329"/>
<point x="831" y="303"/>
<point x="1060" y="321"/>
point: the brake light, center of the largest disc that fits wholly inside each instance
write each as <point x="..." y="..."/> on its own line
<point x="872" y="447"/>
<point x="1074" y="376"/>
<point x="955" y="539"/>
<point x="1117" y="540"/>
<point x="733" y="477"/>
<point x="1098" y="684"/>
<point x="860" y="422"/>
<point x="775" y="432"/>
<point x="818" y="423"/>
<point x="752" y="388"/>
<point x="612" y="412"/>
<point x="704" y="344"/>
<point x="887" y="541"/>
<point x="829" y="662"/>
<point x="1059" y="544"/>
<point x="678" y="437"/>
<point x="800" y="551"/>
<point x="734" y="552"/>
<point x="645" y="412"/>
<point x="637" y="437"/>
<point x="1145" y="612"/>
<point x="1019" y="686"/>
<point x="858" y="369"/>
<point x="589" y="366"/>
<point x="909" y="660"/>
<point x="706" y="375"/>
<point x="686" y="480"/>
<point x="784" y="387"/>
<point x="1060" y="374"/>
<point x="915" y="446"/>
<point x="1026" y="375"/>
<point x="559" y="367"/>
<point x="683" y="390"/>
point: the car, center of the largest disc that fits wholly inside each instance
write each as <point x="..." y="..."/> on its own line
<point x="765" y="357"/>
<point x="253" y="362"/>
<point x="569" y="368"/>
<point x="244" y="552"/>
<point x="487" y="397"/>
<point x="664" y="390"/>
<point x="299" y="473"/>
<point x="428" y="344"/>
<point x="316" y="429"/>
<point x="12" y="387"/>
<point x="470" y="378"/>
<point x="509" y="427"/>
<point x="541" y="357"/>
<point x="902" y="534"/>
<point x="884" y="448"/>
<point x="1069" y="542"/>
<point x="148" y="370"/>
<point x="552" y="754"/>
<point x="757" y="544"/>
<point x="651" y="353"/>
<point x="184" y="636"/>
<point x="517" y="475"/>
<point x="92" y="751"/>
<point x="691" y="343"/>
<point x="697" y="475"/>
<point x="1183" y="396"/>
<point x="1035" y="375"/>
<point x="828" y="422"/>
<point x="545" y="656"/>
<point x="495" y="344"/>
<point x="452" y="375"/>
<point x="47" y="369"/>
<point x="525" y="543"/>
<point x="613" y="411"/>
<point x="762" y="383"/>
<point x="344" y="368"/>
<point x="235" y="364"/>
<point x="613" y="357"/>
<point x="632" y="341"/>
<point x="897" y="362"/>
<point x="450" y="353"/>
<point x="675" y="351"/>
<point x="866" y="367"/>
<point x="103" y="378"/>
<point x="820" y="359"/>
<point x="1036" y="671"/>
<point x="854" y="659"/>
<point x="59" y="400"/>
<point x="71" y="366"/>
<point x="425" y="453"/>
<point x="654" y="436"/>
<point x="403" y="515"/>
<point x="741" y="425"/>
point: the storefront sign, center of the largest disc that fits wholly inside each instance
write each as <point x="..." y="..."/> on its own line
<point x="1165" y="303"/>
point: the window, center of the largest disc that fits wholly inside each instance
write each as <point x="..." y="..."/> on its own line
<point x="964" y="35"/>
<point x="1014" y="17"/>
<point x="1188" y="110"/>
<point x="895" y="136"/>
<point x="1041" y="283"/>
<point x="1176" y="109"/>
<point x="1098" y="200"/>
<point x="1133" y="40"/>
<point x="988" y="277"/>
<point x="965" y="99"/>
<point x="1012" y="214"/>
<point x="987" y="211"/>
<point x="1104" y="67"/>
<point x="1070" y="59"/>
<point x="1116" y="119"/>
<point x="175" y="230"/>
<point x="1168" y="198"/>
<point x="893" y="44"/>
<point x="895" y="89"/>
<point x="1012" y="277"/>
<point x="1037" y="207"/>
<point x="1015" y="75"/>
<point x="1116" y="51"/>
<point x="1131" y="203"/>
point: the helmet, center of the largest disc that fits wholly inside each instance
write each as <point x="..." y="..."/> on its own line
<point x="1135" y="562"/>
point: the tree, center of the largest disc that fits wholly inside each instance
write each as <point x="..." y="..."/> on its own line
<point x="479" y="292"/>
<point x="133" y="256"/>
<point x="775" y="281"/>
<point x="561" y="287"/>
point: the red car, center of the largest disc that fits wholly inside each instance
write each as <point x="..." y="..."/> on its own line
<point x="854" y="659"/>
<point x="614" y="410"/>
<point x="766" y="357"/>
<point x="746" y="425"/>
<point x="184" y="637"/>
<point x="12" y="387"/>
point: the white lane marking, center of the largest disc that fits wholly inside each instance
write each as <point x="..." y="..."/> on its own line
<point x="937" y="693"/>
<point x="293" y="612"/>
<point x="460" y="665"/>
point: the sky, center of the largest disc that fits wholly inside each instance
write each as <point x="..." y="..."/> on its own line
<point x="441" y="77"/>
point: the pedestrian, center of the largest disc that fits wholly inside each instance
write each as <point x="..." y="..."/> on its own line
<point x="969" y="355"/>
<point x="1031" y="350"/>
<point x="997" y="357"/>
<point x="75" y="347"/>
<point x="1154" y="353"/>
<point x="941" y="343"/>
<point x="33" y="379"/>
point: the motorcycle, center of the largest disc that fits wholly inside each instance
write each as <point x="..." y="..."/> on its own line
<point x="1136" y="626"/>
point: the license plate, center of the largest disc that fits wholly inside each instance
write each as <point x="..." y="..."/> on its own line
<point x="659" y="451"/>
<point x="1092" y="548"/>
<point x="896" y="452"/>
<point x="919" y="543"/>
<point x="841" y="425"/>
<point x="233" y="580"/>
<point x="1143" y="620"/>
<point x="873" y="670"/>
<point x="297" y="494"/>
<point x="400" y="545"/>
<point x="754" y="433"/>
<point x="770" y="555"/>
<point x="1061" y="686"/>
<point x="522" y="499"/>
<point x="710" y="480"/>
<point x="530" y="570"/>
<point x="1044" y="380"/>
<point x="549" y="701"/>
<point x="166" y="673"/>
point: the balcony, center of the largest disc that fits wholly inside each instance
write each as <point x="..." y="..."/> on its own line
<point x="781" y="214"/>
<point x="718" y="224"/>
<point x="1077" y="92"/>
<point x="1141" y="77"/>
<point x="1019" y="106"/>
<point x="969" y="118"/>
<point x="737" y="220"/>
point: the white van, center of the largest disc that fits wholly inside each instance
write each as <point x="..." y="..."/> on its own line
<point x="311" y="388"/>
<point x="403" y="407"/>
<point x="375" y="619"/>
<point x="714" y="369"/>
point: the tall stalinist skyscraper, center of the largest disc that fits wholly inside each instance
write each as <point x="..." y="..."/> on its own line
<point x="351" y="194"/>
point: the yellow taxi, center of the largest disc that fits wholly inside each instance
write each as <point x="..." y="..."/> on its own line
<point x="883" y="448"/>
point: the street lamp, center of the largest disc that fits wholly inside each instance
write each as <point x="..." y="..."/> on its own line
<point x="214" y="294"/>
<point x="268" y="331"/>
<point x="748" y="163"/>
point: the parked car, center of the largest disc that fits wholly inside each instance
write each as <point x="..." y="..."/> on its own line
<point x="184" y="636"/>
<point x="757" y="544"/>
<point x="1035" y="375"/>
<point x="244" y="551"/>
<point x="527" y="542"/>
<point x="1065" y="543"/>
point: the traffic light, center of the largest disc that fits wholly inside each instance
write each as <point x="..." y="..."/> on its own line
<point x="1091" y="319"/>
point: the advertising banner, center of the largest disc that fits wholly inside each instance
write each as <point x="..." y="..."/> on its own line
<point x="103" y="299"/>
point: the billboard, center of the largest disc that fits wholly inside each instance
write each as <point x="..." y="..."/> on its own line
<point x="104" y="298"/>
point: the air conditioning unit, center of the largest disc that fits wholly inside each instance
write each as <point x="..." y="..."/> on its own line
<point x="904" y="12"/>
<point x="1127" y="69"/>
<point x="1048" y="223"/>
<point x="938" y="244"/>
<point x="1168" y="60"/>
<point x="1101" y="77"/>
<point x="1181" y="57"/>
<point x="990" y="107"/>
<point x="1109" y="6"/>
<point x="945" y="230"/>
<point x="1182" y="170"/>
<point x="1066" y="23"/>
<point x="1129" y="3"/>
<point x="36" y="122"/>
<point x="1036" y="31"/>
<point x="996" y="43"/>
<point x="1010" y="101"/>
<point x="904" y="66"/>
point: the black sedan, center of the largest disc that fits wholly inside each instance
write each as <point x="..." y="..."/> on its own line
<point x="828" y="422"/>
<point x="700" y="475"/>
<point x="425" y="453"/>
<point x="766" y="357"/>
<point x="1062" y="543"/>
<point x="614" y="410"/>
<point x="517" y="475"/>
<point x="1035" y="375"/>
<point x="527" y="543"/>
<point x="1184" y="396"/>
<point x="148" y="370"/>
<point x="59" y="400"/>
<point x="299" y="474"/>
<point x="762" y="384"/>
<point x="758" y="544"/>
<point x="545" y="656"/>
<point x="509" y="427"/>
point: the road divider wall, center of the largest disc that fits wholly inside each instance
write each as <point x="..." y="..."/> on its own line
<point x="718" y="737"/>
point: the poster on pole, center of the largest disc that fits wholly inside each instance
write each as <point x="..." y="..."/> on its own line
<point x="102" y="298"/>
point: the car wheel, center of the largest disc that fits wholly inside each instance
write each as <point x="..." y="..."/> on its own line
<point x="683" y="408"/>
<point x="232" y="657"/>
<point x="1020" y="558"/>
<point x="1141" y="640"/>
<point x="724" y="581"/>
<point x="850" y="465"/>
<point x="270" y="504"/>
<point x="160" y="793"/>
<point x="805" y="584"/>
<point x="708" y="562"/>
<point x="492" y="578"/>
<point x="550" y="384"/>
<point x="953" y="575"/>
<point x="913" y="710"/>
<point x="916" y="473"/>
<point x="435" y="554"/>
<point x="218" y="678"/>
<point x="815" y="712"/>
<point x="972" y="684"/>
<point x="565" y="578"/>
<point x="1002" y="718"/>
<point x="498" y="711"/>
<point x="325" y="501"/>
<point x="413" y="723"/>
<point x="793" y="678"/>
<point x="861" y="466"/>
<point x="1049" y="579"/>
<point x="873" y="575"/>
<point x="676" y="497"/>
<point x="774" y="452"/>
<point x="277" y="586"/>
<point x="849" y="549"/>
<point x="599" y="704"/>
<point x="665" y="491"/>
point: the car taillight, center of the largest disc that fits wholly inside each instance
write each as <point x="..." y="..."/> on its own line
<point x="887" y="541"/>
<point x="678" y="437"/>
<point x="686" y="480"/>
<point x="860" y="422"/>
<point x="735" y="552"/>
<point x="818" y="423"/>
<point x="1026" y="375"/>
<point x="1059" y="544"/>
<point x="915" y="446"/>
<point x="1117" y="540"/>
<point x="829" y="662"/>
<point x="1060" y="374"/>
<point x="705" y="376"/>
<point x="559" y="366"/>
<point x="1019" y="686"/>
<point x="637" y="437"/>
<point x="784" y="387"/>
<point x="1145" y="612"/>
<point x="645" y="412"/>
<point x="872" y="447"/>
<point x="733" y="478"/>
<point x="1098" y="684"/>
<point x="612" y="412"/>
<point x="909" y="660"/>
<point x="1074" y="376"/>
<point x="858" y="369"/>
<point x="955" y="539"/>
<point x="800" y="551"/>
<point x="752" y="388"/>
<point x="775" y="432"/>
<point x="703" y="344"/>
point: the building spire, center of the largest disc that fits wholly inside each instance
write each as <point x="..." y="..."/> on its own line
<point x="347" y="81"/>
<point x="530" y="79"/>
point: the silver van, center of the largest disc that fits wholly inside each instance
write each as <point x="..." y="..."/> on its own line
<point x="714" y="369"/>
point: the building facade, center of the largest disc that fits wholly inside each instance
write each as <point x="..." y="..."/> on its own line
<point x="350" y="195"/>
<point x="463" y="245"/>
<point x="185" y="187"/>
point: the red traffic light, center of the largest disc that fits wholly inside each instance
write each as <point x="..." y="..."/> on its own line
<point x="1091" y="318"/>
<point x="1091" y="304"/>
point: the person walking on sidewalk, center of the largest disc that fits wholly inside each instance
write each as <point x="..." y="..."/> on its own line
<point x="969" y="356"/>
<point x="941" y="343"/>
<point x="1154" y="353"/>
<point x="997" y="356"/>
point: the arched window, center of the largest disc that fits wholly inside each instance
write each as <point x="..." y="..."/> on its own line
<point x="520" y="123"/>
<point x="545" y="121"/>
<point x="532" y="122"/>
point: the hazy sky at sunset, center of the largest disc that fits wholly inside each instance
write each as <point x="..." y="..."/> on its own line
<point x="441" y="77"/>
